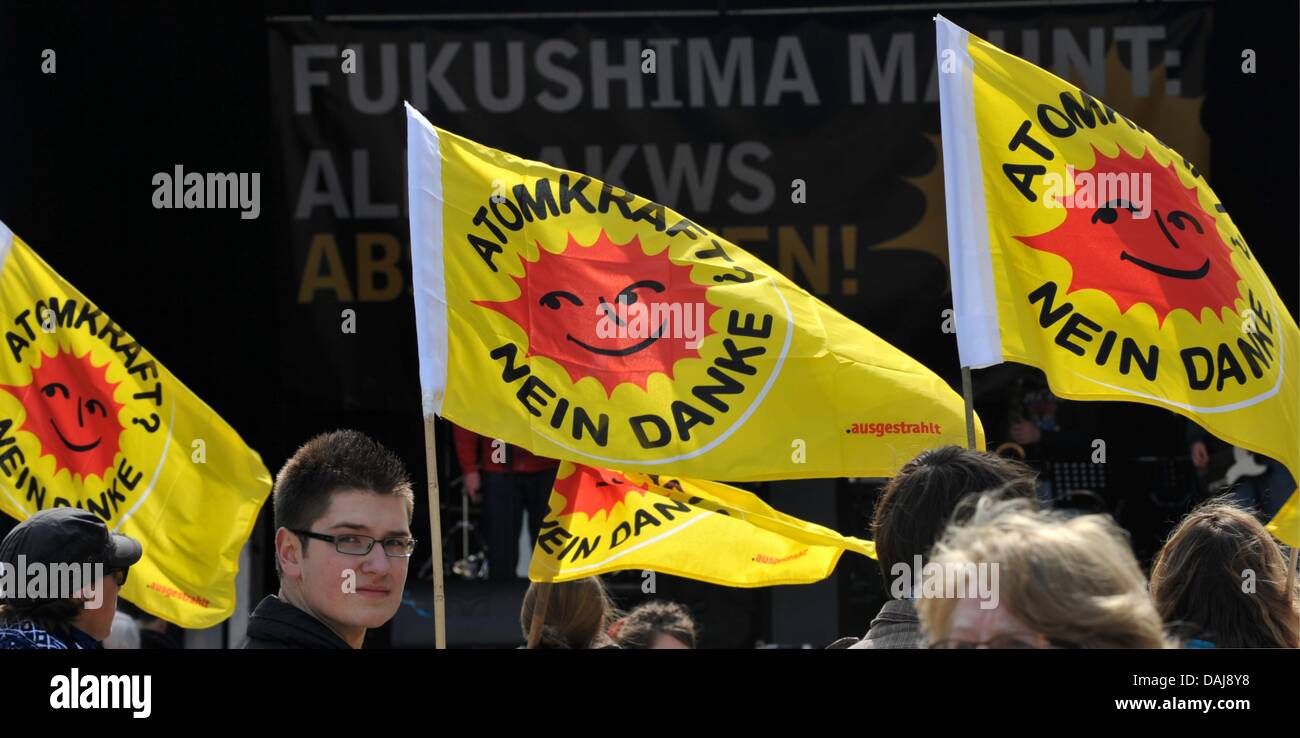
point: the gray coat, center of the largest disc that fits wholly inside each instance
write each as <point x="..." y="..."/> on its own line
<point x="895" y="626"/>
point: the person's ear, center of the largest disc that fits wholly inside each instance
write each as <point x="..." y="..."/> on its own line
<point x="288" y="549"/>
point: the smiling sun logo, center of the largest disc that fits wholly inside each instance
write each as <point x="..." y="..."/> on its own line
<point x="609" y="311"/>
<point x="71" y="411"/>
<point x="1173" y="258"/>
<point x="589" y="491"/>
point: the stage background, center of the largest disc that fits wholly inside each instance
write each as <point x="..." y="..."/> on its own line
<point x="248" y="312"/>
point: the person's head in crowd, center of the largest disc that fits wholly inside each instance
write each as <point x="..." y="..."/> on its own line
<point x="1061" y="582"/>
<point x="655" y="624"/>
<point x="577" y="614"/>
<point x="155" y="633"/>
<point x="125" y="635"/>
<point x="917" y="503"/>
<point x="74" y="548"/>
<point x="343" y="507"/>
<point x="1221" y="578"/>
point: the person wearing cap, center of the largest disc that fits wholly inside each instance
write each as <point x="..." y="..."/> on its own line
<point x="63" y="620"/>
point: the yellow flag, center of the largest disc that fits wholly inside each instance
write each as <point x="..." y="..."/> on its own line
<point x="89" y="419"/>
<point x="582" y="322"/>
<point x="1083" y="245"/>
<point x="602" y="520"/>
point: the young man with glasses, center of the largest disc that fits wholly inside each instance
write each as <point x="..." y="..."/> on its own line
<point x="343" y="507"/>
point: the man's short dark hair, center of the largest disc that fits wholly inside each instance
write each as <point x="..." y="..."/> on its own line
<point x="336" y="462"/>
<point x="918" y="503"/>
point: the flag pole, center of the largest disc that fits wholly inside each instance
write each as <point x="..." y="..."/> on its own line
<point x="970" y="407"/>
<point x="435" y="533"/>
<point x="1290" y="573"/>
<point x="539" y="613"/>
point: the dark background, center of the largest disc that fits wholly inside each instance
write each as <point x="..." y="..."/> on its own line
<point x="143" y="87"/>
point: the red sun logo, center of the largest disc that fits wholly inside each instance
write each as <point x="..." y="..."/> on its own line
<point x="1172" y="258"/>
<point x="609" y="311"/>
<point x="589" y="491"/>
<point x="71" y="411"/>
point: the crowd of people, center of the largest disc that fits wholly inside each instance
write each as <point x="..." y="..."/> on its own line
<point x="343" y="507"/>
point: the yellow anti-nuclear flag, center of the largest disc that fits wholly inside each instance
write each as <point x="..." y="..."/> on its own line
<point x="582" y="322"/>
<point x="89" y="419"/>
<point x="1083" y="245"/>
<point x="602" y="520"/>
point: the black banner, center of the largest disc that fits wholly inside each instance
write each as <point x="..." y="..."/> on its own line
<point x="811" y="141"/>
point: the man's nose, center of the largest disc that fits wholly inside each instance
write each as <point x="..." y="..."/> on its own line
<point x="376" y="562"/>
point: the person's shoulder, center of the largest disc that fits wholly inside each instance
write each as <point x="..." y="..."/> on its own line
<point x="13" y="640"/>
<point x="28" y="636"/>
<point x="267" y="604"/>
<point x="895" y="626"/>
<point x="83" y="641"/>
<point x="262" y="644"/>
<point x="276" y="624"/>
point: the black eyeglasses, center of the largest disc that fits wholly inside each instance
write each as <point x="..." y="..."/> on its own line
<point x="354" y="544"/>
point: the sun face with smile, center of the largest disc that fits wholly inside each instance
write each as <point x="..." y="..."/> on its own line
<point x="1173" y="258"/>
<point x="565" y="298"/>
<point x="591" y="491"/>
<point x="71" y="410"/>
<point x="629" y="295"/>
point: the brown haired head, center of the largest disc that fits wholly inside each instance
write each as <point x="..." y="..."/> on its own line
<point x="918" y="502"/>
<point x="345" y="460"/>
<point x="576" y="614"/>
<point x="1200" y="581"/>
<point x="643" y="626"/>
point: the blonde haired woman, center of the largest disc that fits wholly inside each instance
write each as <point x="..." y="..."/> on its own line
<point x="1060" y="582"/>
<point x="1221" y="579"/>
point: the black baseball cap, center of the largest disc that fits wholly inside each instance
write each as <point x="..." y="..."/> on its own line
<point x="68" y="535"/>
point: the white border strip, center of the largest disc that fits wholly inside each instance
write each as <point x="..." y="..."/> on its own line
<point x="424" y="199"/>
<point x="6" y="243"/>
<point x="970" y="265"/>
